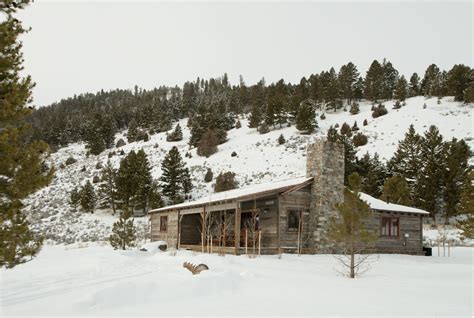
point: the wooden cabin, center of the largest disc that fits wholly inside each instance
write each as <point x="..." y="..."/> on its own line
<point x="290" y="216"/>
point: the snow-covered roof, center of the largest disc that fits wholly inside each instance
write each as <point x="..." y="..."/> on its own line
<point x="373" y="203"/>
<point x="238" y="193"/>
<point x="377" y="204"/>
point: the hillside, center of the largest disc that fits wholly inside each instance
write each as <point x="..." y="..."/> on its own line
<point x="259" y="158"/>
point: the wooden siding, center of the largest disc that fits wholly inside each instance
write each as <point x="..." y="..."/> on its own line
<point x="408" y="224"/>
<point x="297" y="201"/>
<point x="171" y="235"/>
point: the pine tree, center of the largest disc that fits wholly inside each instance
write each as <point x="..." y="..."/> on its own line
<point x="173" y="176"/>
<point x="458" y="80"/>
<point x="466" y="206"/>
<point x="281" y="140"/>
<point x="88" y="197"/>
<point x="395" y="190"/>
<point x="373" y="173"/>
<point x="354" y="108"/>
<point x="456" y="170"/>
<point x="133" y="131"/>
<point x="348" y="76"/>
<point x="305" y="119"/>
<point x="407" y="160"/>
<point x="154" y="197"/>
<point x="428" y="186"/>
<point x="108" y="188"/>
<point x="430" y="84"/>
<point x="22" y="166"/>
<point x="123" y="231"/>
<point x="125" y="182"/>
<point x="390" y="76"/>
<point x="144" y="181"/>
<point x="414" y="86"/>
<point x="209" y="175"/>
<point x="348" y="229"/>
<point x="400" y="93"/>
<point x="74" y="198"/>
<point x="350" y="159"/>
<point x="374" y="82"/>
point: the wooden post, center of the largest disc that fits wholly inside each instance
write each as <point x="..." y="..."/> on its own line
<point x="180" y="218"/>
<point x="259" y="241"/>
<point x="237" y="229"/>
<point x="246" y="245"/>
<point x="449" y="248"/>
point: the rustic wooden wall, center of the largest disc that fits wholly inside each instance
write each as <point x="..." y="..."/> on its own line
<point x="171" y="235"/>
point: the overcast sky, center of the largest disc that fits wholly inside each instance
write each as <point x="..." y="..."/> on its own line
<point x="86" y="46"/>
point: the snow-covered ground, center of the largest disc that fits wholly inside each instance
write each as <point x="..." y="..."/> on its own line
<point x="259" y="159"/>
<point x="98" y="281"/>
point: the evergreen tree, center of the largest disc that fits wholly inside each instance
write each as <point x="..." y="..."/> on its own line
<point x="349" y="231"/>
<point x="456" y="169"/>
<point x="431" y="81"/>
<point x="187" y="183"/>
<point x="281" y="140"/>
<point x="469" y="92"/>
<point x="390" y="76"/>
<point x="306" y="118"/>
<point x="374" y="82"/>
<point x="133" y="131"/>
<point x="144" y="181"/>
<point x="209" y="175"/>
<point x="428" y="186"/>
<point x="348" y="76"/>
<point x="354" y="108"/>
<point x="22" y="166"/>
<point x="414" y="86"/>
<point x="332" y="91"/>
<point x="88" y="197"/>
<point x="373" y="173"/>
<point x="401" y="89"/>
<point x="107" y="188"/>
<point x="74" y="198"/>
<point x="123" y="231"/>
<point x="154" y="197"/>
<point x="395" y="190"/>
<point x="350" y="159"/>
<point x="467" y="207"/>
<point x="173" y="176"/>
<point x="407" y="160"/>
<point x="458" y="80"/>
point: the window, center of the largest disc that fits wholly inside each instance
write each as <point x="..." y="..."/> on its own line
<point x="163" y="223"/>
<point x="293" y="220"/>
<point x="390" y="226"/>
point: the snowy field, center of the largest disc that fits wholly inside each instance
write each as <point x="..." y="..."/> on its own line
<point x="98" y="281"/>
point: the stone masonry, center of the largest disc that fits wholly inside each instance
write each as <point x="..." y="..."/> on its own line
<point x="325" y="163"/>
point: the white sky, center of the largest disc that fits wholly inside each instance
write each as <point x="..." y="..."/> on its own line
<point x="77" y="47"/>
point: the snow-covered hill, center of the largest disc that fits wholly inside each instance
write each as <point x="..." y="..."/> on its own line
<point x="259" y="159"/>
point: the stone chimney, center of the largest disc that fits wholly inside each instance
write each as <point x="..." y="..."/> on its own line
<point x="325" y="163"/>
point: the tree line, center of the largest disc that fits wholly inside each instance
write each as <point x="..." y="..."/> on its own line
<point x="214" y="104"/>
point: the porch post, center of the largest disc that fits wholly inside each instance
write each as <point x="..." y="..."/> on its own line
<point x="237" y="229"/>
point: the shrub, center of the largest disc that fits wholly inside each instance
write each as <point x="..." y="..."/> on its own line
<point x="176" y="135"/>
<point x="209" y="175"/>
<point x="122" y="152"/>
<point x="355" y="127"/>
<point x="397" y="105"/>
<point x="323" y="117"/>
<point x="70" y="161"/>
<point x="208" y="144"/>
<point x="424" y="106"/>
<point x="380" y="110"/>
<point x="281" y="140"/>
<point x="365" y="122"/>
<point x="225" y="181"/>
<point x="238" y="125"/>
<point x="360" y="140"/>
<point x="120" y="143"/>
<point x="233" y="154"/>
<point x="98" y="165"/>
<point x="354" y="108"/>
<point x="263" y="129"/>
<point x="336" y="125"/>
<point x="346" y="130"/>
<point x="83" y="169"/>
<point x="96" y="179"/>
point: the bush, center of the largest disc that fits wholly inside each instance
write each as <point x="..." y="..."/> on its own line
<point x="263" y="129"/>
<point x="238" y="125"/>
<point x="323" y="117"/>
<point x="424" y="106"/>
<point x="281" y="140"/>
<point x="209" y="175"/>
<point x="122" y="152"/>
<point x="397" y="105"/>
<point x="120" y="143"/>
<point x="360" y="140"/>
<point x="98" y="165"/>
<point x="83" y="169"/>
<point x="176" y="135"/>
<point x="365" y="122"/>
<point x="233" y="154"/>
<point x="354" y="108"/>
<point x="355" y="127"/>
<point x="225" y="181"/>
<point x="380" y="110"/>
<point x="70" y="161"/>
<point x="96" y="179"/>
<point x="111" y="154"/>
<point x="346" y="130"/>
<point x="208" y="144"/>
